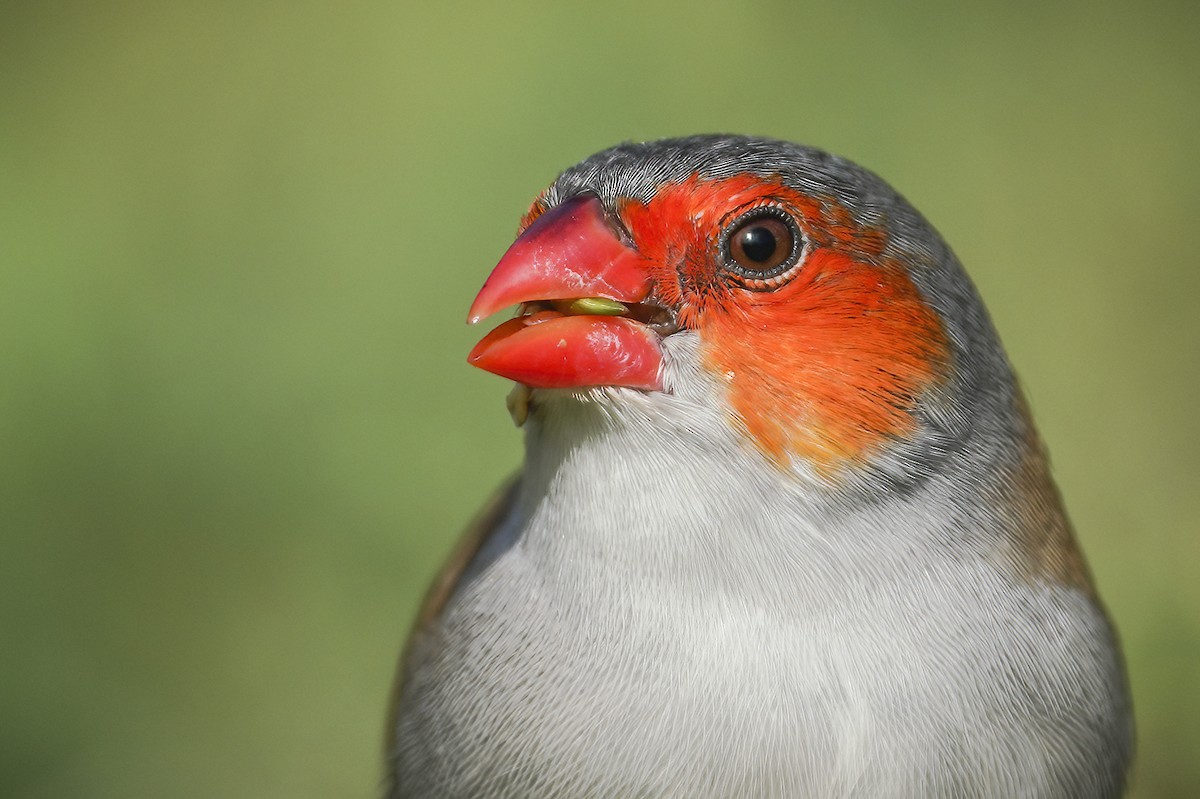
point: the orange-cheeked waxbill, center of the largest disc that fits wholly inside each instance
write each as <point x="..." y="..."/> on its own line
<point x="784" y="527"/>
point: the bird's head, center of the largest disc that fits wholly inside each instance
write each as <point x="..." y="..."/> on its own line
<point x="792" y="288"/>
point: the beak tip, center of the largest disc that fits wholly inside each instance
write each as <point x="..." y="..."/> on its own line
<point x="476" y="314"/>
<point x="483" y="307"/>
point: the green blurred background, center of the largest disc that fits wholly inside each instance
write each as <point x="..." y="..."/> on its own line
<point x="237" y="242"/>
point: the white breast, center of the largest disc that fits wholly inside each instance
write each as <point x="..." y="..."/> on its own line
<point x="659" y="619"/>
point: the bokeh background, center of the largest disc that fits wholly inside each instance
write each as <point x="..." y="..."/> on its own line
<point x="237" y="242"/>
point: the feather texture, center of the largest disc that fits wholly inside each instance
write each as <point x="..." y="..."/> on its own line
<point x="826" y="560"/>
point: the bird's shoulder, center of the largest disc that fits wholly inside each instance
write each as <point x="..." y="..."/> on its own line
<point x="473" y="538"/>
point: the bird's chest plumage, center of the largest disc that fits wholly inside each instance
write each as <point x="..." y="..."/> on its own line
<point x="677" y="644"/>
<point x="541" y="682"/>
<point x="621" y="691"/>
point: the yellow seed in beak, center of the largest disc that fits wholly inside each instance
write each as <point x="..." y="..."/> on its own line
<point x="596" y="306"/>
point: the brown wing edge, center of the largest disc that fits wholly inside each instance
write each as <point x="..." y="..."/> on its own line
<point x="443" y="585"/>
<point x="1047" y="536"/>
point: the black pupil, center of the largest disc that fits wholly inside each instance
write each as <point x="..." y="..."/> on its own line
<point x="759" y="244"/>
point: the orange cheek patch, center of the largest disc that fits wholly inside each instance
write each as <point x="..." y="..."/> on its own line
<point x="828" y="367"/>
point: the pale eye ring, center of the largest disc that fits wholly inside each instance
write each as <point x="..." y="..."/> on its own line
<point x="762" y="244"/>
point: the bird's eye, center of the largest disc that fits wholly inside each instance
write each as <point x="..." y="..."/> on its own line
<point x="762" y="245"/>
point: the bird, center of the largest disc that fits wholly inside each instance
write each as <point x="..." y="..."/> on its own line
<point x="784" y="526"/>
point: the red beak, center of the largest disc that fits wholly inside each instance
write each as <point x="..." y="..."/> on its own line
<point x="568" y="253"/>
